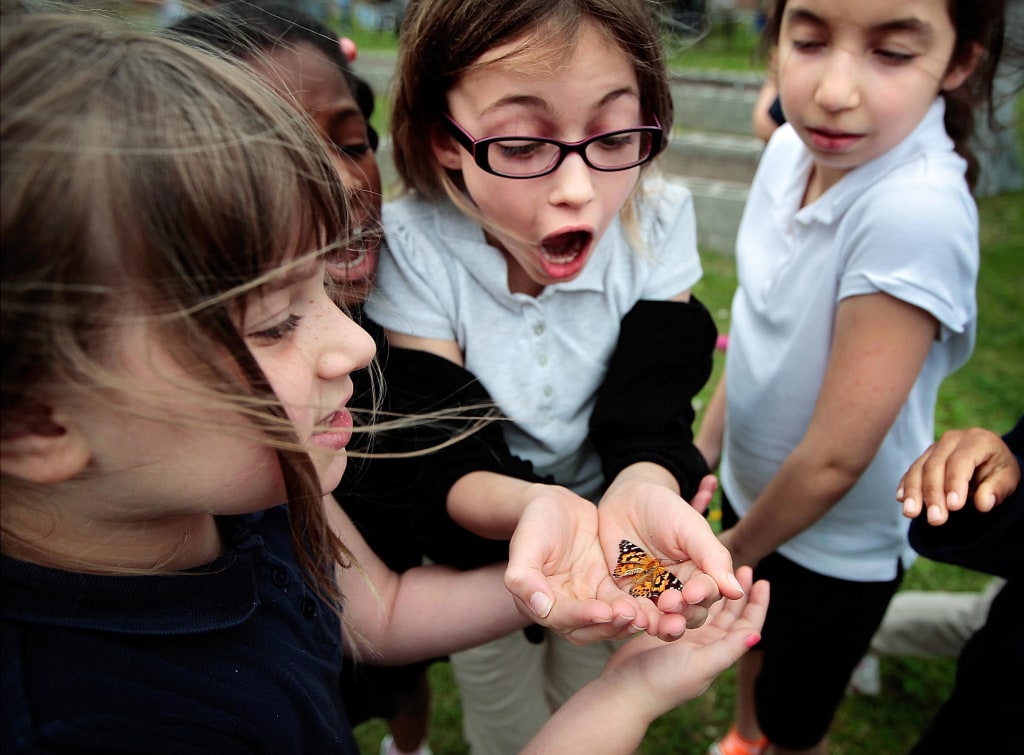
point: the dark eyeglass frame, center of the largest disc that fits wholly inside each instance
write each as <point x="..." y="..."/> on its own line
<point x="477" y="148"/>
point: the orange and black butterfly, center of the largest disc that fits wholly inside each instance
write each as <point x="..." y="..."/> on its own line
<point x="650" y="579"/>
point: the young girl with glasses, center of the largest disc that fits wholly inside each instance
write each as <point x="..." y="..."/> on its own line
<point x="531" y="250"/>
<point x="175" y="368"/>
<point x="857" y="258"/>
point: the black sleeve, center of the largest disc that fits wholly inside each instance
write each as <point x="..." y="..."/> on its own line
<point x="644" y="409"/>
<point x="989" y="542"/>
<point x="409" y="494"/>
<point x="775" y="111"/>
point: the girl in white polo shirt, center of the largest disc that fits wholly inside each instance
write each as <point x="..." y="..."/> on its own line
<point x="530" y="252"/>
<point x="857" y="258"/>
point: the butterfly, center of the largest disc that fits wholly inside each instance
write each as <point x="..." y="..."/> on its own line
<point x="650" y="579"/>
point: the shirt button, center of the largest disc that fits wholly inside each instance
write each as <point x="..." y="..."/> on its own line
<point x="548" y="390"/>
<point x="538" y="329"/>
<point x="279" y="577"/>
<point x="542" y="360"/>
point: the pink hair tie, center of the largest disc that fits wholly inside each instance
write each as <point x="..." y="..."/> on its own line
<point x="348" y="48"/>
<point x="722" y="342"/>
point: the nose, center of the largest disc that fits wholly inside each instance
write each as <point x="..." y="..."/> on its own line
<point x="344" y="346"/>
<point x="573" y="182"/>
<point x="351" y="174"/>
<point x="839" y="88"/>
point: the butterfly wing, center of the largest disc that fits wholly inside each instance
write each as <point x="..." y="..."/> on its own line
<point x="650" y="579"/>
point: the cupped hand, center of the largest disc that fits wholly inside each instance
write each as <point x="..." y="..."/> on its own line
<point x="665" y="675"/>
<point x="640" y="508"/>
<point x="559" y="576"/>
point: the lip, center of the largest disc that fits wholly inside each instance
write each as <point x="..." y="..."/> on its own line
<point x="833" y="140"/>
<point x="563" y="254"/>
<point x="334" y="431"/>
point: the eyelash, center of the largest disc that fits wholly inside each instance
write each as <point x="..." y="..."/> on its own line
<point x="889" y="56"/>
<point x="278" y="332"/>
<point x="352" y="151"/>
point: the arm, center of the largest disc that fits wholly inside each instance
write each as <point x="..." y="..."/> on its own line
<point x="711" y="435"/>
<point x="644" y="407"/>
<point x="878" y="348"/>
<point x="762" y="120"/>
<point x="645" y="679"/>
<point x="384" y="611"/>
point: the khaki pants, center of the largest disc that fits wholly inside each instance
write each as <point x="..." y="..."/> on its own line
<point x="932" y="622"/>
<point x="510" y="687"/>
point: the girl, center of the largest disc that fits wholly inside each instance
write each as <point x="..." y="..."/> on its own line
<point x="174" y="368"/>
<point x="526" y="252"/>
<point x="857" y="258"/>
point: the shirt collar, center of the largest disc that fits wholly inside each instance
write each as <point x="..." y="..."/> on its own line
<point x="143" y="604"/>
<point x="930" y="135"/>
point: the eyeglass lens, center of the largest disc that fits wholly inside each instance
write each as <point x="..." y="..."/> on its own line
<point x="525" y="157"/>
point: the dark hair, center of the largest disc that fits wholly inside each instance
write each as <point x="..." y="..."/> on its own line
<point x="441" y="39"/>
<point x="244" y="29"/>
<point x="976" y="22"/>
<point x="141" y="172"/>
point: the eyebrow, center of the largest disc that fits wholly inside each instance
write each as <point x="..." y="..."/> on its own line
<point x="911" y="25"/>
<point x="537" y="103"/>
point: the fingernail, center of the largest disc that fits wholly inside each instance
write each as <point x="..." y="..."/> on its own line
<point x="952" y="499"/>
<point x="540" y="604"/>
<point x="909" y="506"/>
<point x="934" y="513"/>
<point x="752" y="639"/>
<point x="736" y="583"/>
<point x="899" y="493"/>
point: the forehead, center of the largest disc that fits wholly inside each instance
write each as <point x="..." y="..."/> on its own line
<point x="303" y="72"/>
<point x="872" y="15"/>
<point x="587" y="66"/>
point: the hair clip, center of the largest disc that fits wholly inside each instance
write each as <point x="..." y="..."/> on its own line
<point x="348" y="48"/>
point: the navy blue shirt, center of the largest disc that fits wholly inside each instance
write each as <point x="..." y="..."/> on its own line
<point x="239" y="656"/>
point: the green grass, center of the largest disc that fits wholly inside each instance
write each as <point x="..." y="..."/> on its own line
<point x="986" y="391"/>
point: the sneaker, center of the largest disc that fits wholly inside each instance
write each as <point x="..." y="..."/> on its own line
<point x="387" y="747"/>
<point x="733" y="744"/>
<point x="865" y="679"/>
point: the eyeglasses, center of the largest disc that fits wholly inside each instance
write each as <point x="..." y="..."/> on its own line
<point x="531" y="157"/>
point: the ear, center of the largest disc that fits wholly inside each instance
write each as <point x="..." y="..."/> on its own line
<point x="959" y="71"/>
<point x="42" y="447"/>
<point x="446" y="150"/>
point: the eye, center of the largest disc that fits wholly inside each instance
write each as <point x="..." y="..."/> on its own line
<point x="895" y="58"/>
<point x="807" y="45"/>
<point x="277" y="332"/>
<point x="352" y="151"/>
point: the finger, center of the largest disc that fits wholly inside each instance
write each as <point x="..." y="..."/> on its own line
<point x="705" y="492"/>
<point x="531" y="589"/>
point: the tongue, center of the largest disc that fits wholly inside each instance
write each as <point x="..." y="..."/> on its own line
<point x="566" y="246"/>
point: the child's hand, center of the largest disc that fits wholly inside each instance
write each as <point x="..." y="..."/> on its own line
<point x="645" y="512"/>
<point x="667" y="674"/>
<point x="960" y="462"/>
<point x="559" y="576"/>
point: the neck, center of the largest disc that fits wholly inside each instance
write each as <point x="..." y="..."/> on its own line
<point x="54" y="536"/>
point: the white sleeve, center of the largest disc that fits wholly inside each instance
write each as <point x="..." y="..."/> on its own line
<point x="670" y="239"/>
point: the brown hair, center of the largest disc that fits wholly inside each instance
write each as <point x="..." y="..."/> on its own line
<point x="139" y="170"/>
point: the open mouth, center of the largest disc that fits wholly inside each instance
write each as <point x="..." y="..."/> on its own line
<point x="354" y="261"/>
<point x="565" y="248"/>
